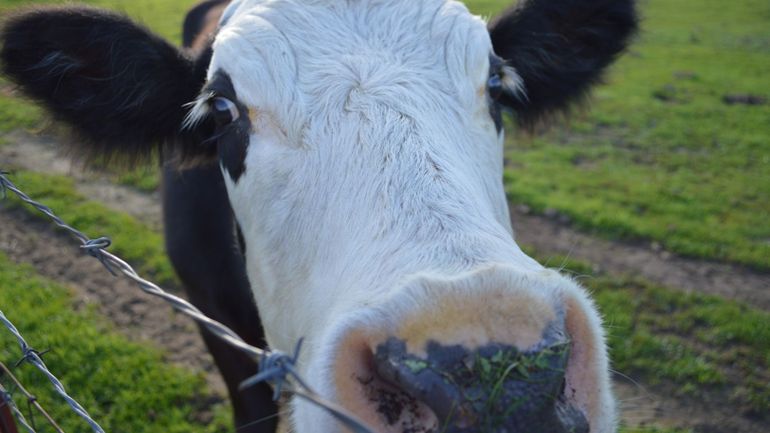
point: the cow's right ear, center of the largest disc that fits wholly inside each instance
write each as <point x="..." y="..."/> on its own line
<point x="121" y="88"/>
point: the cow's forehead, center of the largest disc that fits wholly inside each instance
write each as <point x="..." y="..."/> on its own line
<point x="312" y="46"/>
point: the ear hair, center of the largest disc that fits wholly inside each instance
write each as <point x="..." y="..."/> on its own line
<point x="513" y="85"/>
<point x="560" y="48"/>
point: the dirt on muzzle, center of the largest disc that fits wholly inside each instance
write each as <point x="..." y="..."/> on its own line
<point x="494" y="389"/>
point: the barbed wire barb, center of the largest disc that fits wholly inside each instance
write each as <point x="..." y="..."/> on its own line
<point x="276" y="367"/>
<point x="31" y="356"/>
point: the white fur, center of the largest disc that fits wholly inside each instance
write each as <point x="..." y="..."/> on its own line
<point x="373" y="160"/>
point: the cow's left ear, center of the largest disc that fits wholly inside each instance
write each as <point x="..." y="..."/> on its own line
<point x="120" y="87"/>
<point x="559" y="48"/>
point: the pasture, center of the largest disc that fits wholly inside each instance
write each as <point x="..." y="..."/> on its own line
<point x="669" y="159"/>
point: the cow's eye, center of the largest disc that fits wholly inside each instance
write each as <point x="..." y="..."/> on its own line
<point x="495" y="85"/>
<point x="224" y="110"/>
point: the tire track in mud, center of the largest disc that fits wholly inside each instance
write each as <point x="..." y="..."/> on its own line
<point x="550" y="237"/>
<point x="143" y="317"/>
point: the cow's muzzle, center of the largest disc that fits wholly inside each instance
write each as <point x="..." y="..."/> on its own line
<point x="493" y="351"/>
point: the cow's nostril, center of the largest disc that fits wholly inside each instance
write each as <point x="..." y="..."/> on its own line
<point x="378" y="402"/>
<point x="493" y="388"/>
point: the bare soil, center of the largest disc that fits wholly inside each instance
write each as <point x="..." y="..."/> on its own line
<point x="139" y="316"/>
<point x="550" y="236"/>
<point x="142" y="317"/>
<point x="640" y="406"/>
<point x="42" y="153"/>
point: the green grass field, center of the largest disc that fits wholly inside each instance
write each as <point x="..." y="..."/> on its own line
<point x="658" y="157"/>
<point x="123" y="385"/>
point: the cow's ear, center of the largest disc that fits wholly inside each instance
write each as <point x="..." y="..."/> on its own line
<point x="120" y="87"/>
<point x="559" y="49"/>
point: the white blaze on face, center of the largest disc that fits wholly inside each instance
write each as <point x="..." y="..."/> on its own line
<point x="373" y="160"/>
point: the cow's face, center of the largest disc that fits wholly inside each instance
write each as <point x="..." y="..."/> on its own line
<point x="362" y="152"/>
<point x="364" y="164"/>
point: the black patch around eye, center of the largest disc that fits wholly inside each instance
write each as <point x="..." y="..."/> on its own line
<point x="232" y="147"/>
<point x="497" y="115"/>
<point x="240" y="239"/>
<point x="232" y="139"/>
<point x="495" y="75"/>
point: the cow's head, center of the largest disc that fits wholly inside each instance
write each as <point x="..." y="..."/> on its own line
<point x="362" y="149"/>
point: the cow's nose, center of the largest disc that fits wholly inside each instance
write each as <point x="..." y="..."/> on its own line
<point x="496" y="388"/>
<point x="493" y="351"/>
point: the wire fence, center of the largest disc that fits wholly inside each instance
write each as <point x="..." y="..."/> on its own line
<point x="32" y="403"/>
<point x="33" y="357"/>
<point x="275" y="367"/>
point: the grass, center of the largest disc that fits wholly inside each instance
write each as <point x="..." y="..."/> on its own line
<point x="660" y="156"/>
<point x="132" y="240"/>
<point x="692" y="344"/>
<point x="126" y="387"/>
<point x="145" y="178"/>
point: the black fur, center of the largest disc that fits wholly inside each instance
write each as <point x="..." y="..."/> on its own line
<point x="119" y="86"/>
<point x="204" y="245"/>
<point x="194" y="21"/>
<point x="232" y="138"/>
<point x="560" y="48"/>
<point x="207" y="250"/>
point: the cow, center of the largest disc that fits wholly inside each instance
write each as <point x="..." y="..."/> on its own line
<point x="332" y="174"/>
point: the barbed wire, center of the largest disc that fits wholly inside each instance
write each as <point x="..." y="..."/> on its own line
<point x="31" y="399"/>
<point x="275" y="367"/>
<point x="7" y="398"/>
<point x="32" y="356"/>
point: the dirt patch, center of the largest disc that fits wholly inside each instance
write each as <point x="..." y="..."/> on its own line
<point x="139" y="316"/>
<point x="744" y="99"/>
<point x="550" y="236"/>
<point x="642" y="407"/>
<point x="42" y="154"/>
